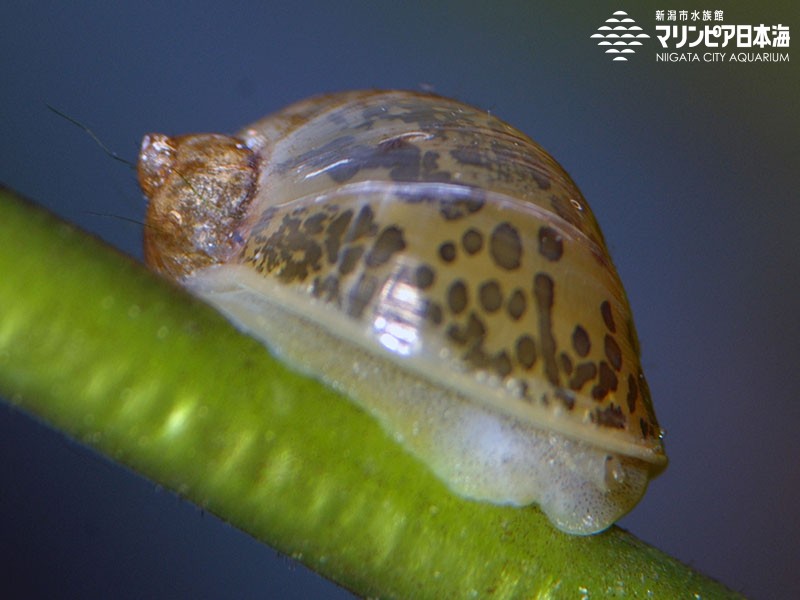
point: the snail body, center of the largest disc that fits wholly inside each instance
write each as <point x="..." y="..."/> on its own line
<point x="440" y="268"/>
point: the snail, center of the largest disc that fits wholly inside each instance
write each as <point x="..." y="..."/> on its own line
<point x="439" y="267"/>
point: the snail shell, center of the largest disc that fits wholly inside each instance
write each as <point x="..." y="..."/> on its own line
<point x="438" y="266"/>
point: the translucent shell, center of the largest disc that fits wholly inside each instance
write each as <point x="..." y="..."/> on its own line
<point x="438" y="266"/>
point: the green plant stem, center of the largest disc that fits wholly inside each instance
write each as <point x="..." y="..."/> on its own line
<point x="98" y="347"/>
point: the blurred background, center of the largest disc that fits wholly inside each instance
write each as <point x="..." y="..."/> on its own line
<point x="693" y="171"/>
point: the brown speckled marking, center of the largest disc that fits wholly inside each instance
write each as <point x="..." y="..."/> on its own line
<point x="326" y="289"/>
<point x="290" y="252"/>
<point x="349" y="259"/>
<point x="472" y="241"/>
<point x="566" y="397"/>
<point x="633" y="392"/>
<point x="470" y="335"/>
<point x="335" y="231"/>
<point x="608" y="318"/>
<point x="433" y="311"/>
<point x="502" y="364"/>
<point x="314" y="224"/>
<point x="424" y="277"/>
<point x="584" y="373"/>
<point x="505" y="247"/>
<point x="543" y="291"/>
<point x="361" y="295"/>
<point x="611" y="416"/>
<point x="613" y="352"/>
<point x="389" y="242"/>
<point x="526" y="351"/>
<point x="503" y="162"/>
<point x="476" y="357"/>
<point x="566" y="363"/>
<point x="447" y="252"/>
<point x="364" y="224"/>
<point x="457" y="296"/>
<point x="453" y="210"/>
<point x="648" y="429"/>
<point x="580" y="341"/>
<point x="516" y="305"/>
<point x="490" y="295"/>
<point x="551" y="245"/>
<point x="606" y="383"/>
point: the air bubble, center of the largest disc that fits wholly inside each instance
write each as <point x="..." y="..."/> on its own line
<point x="615" y="473"/>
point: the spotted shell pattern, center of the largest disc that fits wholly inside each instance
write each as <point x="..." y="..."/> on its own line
<point x="438" y="266"/>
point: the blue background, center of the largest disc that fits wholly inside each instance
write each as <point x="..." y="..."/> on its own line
<point x="693" y="171"/>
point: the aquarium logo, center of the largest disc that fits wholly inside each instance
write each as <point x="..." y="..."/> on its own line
<point x="620" y="36"/>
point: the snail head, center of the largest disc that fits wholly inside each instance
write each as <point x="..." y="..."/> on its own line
<point x="198" y="189"/>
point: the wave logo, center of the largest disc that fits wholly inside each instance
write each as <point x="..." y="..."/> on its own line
<point x="620" y="35"/>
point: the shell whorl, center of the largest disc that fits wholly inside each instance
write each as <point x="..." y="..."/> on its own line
<point x="425" y="232"/>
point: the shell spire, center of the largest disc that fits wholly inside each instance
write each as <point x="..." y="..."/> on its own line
<point x="199" y="188"/>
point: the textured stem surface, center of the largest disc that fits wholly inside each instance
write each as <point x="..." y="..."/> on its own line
<point x="98" y="347"/>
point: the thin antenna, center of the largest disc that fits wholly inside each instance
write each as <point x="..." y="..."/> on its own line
<point x="115" y="156"/>
<point x="144" y="224"/>
<point x="91" y="133"/>
<point x="113" y="216"/>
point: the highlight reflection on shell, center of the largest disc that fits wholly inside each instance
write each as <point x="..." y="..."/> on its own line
<point x="441" y="268"/>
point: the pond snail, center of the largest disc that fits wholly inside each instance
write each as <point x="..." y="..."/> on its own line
<point x="439" y="267"/>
